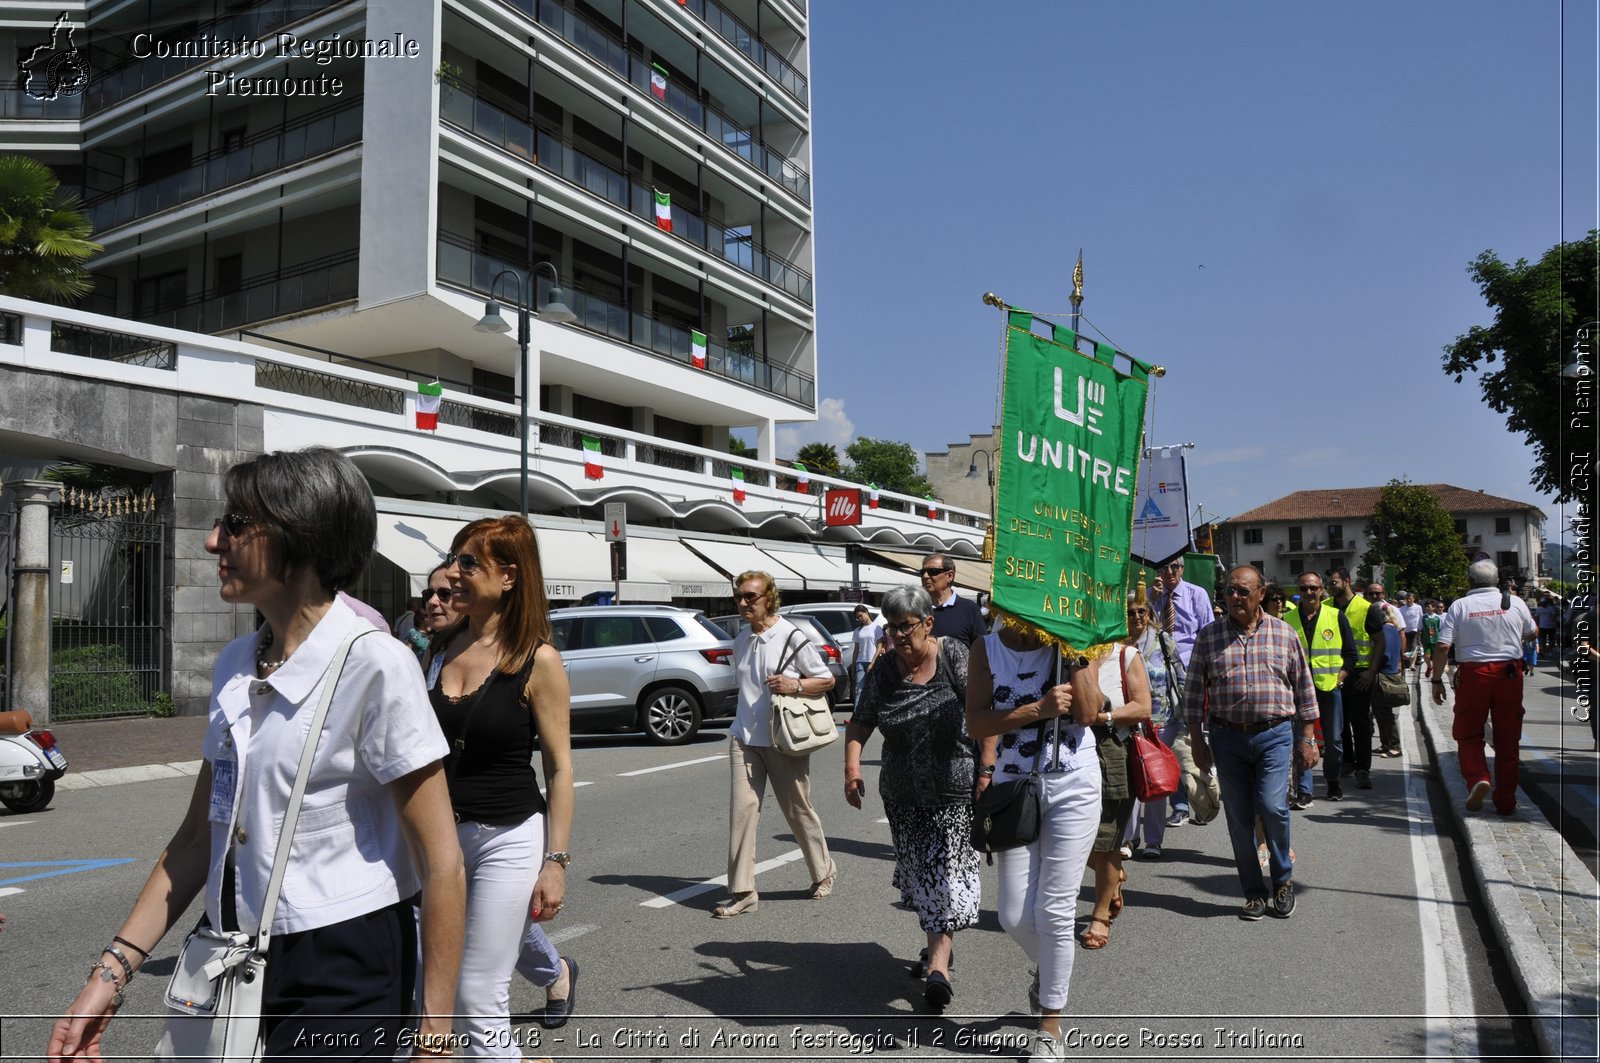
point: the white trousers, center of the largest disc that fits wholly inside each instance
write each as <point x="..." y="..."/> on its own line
<point x="502" y="866"/>
<point x="1040" y="882"/>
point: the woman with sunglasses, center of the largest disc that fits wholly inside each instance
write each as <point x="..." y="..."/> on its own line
<point x="499" y="690"/>
<point x="771" y="656"/>
<point x="436" y="611"/>
<point x="1164" y="672"/>
<point x="1274" y="601"/>
<point x="375" y="826"/>
<point x="916" y="695"/>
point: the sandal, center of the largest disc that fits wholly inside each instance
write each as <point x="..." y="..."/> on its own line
<point x="1093" y="940"/>
<point x="745" y="902"/>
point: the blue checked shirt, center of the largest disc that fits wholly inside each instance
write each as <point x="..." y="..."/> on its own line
<point x="1248" y="677"/>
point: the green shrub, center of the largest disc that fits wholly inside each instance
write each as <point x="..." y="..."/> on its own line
<point x="88" y="681"/>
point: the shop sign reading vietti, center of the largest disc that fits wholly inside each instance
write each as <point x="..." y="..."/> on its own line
<point x="1071" y="431"/>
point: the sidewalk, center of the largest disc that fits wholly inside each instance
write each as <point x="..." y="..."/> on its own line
<point x="109" y="752"/>
<point x="1541" y="897"/>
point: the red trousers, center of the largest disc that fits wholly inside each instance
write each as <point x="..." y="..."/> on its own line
<point x="1490" y="691"/>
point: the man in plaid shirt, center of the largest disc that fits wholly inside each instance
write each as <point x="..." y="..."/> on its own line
<point x="1249" y="681"/>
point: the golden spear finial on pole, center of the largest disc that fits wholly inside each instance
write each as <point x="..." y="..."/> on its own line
<point x="1077" y="291"/>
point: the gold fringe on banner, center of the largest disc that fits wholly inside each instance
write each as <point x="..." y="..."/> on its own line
<point x="1093" y="653"/>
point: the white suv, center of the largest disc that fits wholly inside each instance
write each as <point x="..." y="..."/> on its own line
<point x="659" y="669"/>
<point x="837" y="617"/>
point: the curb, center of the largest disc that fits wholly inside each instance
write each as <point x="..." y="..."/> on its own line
<point x="1557" y="1009"/>
<point x="89" y="780"/>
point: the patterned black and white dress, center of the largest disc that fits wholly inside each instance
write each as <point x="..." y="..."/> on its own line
<point x="926" y="779"/>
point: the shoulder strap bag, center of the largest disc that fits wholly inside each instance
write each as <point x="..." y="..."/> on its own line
<point x="1152" y="768"/>
<point x="801" y="723"/>
<point x="1007" y="814"/>
<point x="214" y="996"/>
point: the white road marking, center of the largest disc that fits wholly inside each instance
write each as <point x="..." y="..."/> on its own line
<point x="669" y="767"/>
<point x="1588" y="793"/>
<point x="1451" y="1032"/>
<point x="885" y="819"/>
<point x="6" y="891"/>
<point x="570" y="932"/>
<point x="716" y="883"/>
<point x="578" y="784"/>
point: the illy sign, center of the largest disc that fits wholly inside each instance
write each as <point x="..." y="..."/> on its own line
<point x="841" y="506"/>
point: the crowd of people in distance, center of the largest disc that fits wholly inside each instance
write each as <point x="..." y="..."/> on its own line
<point x="433" y="846"/>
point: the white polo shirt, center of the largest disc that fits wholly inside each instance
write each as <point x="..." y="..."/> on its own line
<point x="350" y="854"/>
<point x="1482" y="631"/>
<point x="757" y="656"/>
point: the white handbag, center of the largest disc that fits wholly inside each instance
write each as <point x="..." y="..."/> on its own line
<point x="214" y="996"/>
<point x="801" y="723"/>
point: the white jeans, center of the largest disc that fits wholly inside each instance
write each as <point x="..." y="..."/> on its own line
<point x="1040" y="882"/>
<point x="502" y="866"/>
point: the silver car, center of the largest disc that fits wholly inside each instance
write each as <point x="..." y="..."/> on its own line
<point x="658" y="669"/>
<point x="812" y="629"/>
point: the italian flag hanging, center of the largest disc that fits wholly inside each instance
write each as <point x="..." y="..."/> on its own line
<point x="594" y="462"/>
<point x="737" y="475"/>
<point x="933" y="508"/>
<point x="658" y="82"/>
<point x="803" y="481"/>
<point x="872" y="497"/>
<point x="697" y="349"/>
<point x="429" y="397"/>
<point x="663" y="210"/>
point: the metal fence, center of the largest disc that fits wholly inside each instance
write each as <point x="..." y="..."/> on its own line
<point x="107" y="593"/>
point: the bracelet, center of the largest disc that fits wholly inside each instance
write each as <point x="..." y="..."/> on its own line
<point x="108" y="975"/>
<point x="433" y="1044"/>
<point x="986" y="769"/>
<point x="122" y="958"/>
<point x="560" y="857"/>
<point x="143" y="955"/>
<point x="1308" y="741"/>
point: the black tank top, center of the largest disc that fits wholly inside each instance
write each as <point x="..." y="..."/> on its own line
<point x="491" y="732"/>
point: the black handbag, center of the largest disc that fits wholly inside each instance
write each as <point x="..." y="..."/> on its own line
<point x="1007" y="814"/>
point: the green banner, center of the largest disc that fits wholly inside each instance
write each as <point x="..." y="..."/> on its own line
<point x="1070" y="437"/>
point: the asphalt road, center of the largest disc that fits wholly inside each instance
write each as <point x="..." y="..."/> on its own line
<point x="1388" y="955"/>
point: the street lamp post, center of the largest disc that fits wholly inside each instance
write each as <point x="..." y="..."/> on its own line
<point x="972" y="464"/>
<point x="553" y="310"/>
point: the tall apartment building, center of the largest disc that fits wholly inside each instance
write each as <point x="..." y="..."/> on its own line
<point x="304" y="207"/>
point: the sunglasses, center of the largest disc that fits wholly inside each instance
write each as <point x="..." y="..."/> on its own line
<point x="1310" y="588"/>
<point x="932" y="572"/>
<point x="232" y="523"/>
<point x="468" y="563"/>
<point x="905" y="627"/>
<point x="749" y="597"/>
<point x="443" y="594"/>
<point x="1236" y="591"/>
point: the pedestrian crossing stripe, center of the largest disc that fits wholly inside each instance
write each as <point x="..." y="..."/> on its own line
<point x="62" y="867"/>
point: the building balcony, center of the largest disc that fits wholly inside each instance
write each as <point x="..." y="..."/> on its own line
<point x="744" y="39"/>
<point x="1304" y="549"/>
<point x="133" y="74"/>
<point x="266" y="152"/>
<point x="294" y="289"/>
<point x="17" y="105"/>
<point x="462" y="267"/>
<point x="555" y="156"/>
<point x="598" y="44"/>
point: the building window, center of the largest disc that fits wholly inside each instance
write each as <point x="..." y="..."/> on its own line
<point x="1296" y="541"/>
<point x="159" y="293"/>
<point x="1252" y="536"/>
<point x="233" y="139"/>
<point x="1296" y="566"/>
<point x="1506" y="562"/>
<point x="1336" y="537"/>
<point x="229" y="274"/>
<point x="487" y="385"/>
<point x="1502" y="525"/>
<point x="1461" y="528"/>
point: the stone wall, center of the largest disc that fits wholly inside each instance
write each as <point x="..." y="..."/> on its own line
<point x="947" y="472"/>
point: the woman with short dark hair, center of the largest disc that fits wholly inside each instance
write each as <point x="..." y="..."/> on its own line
<point x="376" y="825"/>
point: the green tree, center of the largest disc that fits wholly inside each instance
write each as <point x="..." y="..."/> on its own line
<point x="892" y="466"/>
<point x="1538" y="309"/>
<point x="1415" y="538"/>
<point x="820" y="458"/>
<point x="44" y="236"/>
<point x="739" y="448"/>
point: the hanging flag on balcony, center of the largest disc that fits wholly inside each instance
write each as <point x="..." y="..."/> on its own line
<point x="872" y="497"/>
<point x="737" y="476"/>
<point x="697" y="349"/>
<point x="802" y="481"/>
<point x="429" y="398"/>
<point x="663" y="210"/>
<point x="933" y="507"/>
<point x="594" y="460"/>
<point x="658" y="82"/>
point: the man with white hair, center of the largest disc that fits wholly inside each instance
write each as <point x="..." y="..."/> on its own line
<point x="1487" y="627"/>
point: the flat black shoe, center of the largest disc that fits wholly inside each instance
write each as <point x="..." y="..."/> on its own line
<point x="937" y="992"/>
<point x="557" y="1012"/>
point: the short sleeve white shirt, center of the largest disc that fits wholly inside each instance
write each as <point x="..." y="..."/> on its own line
<point x="1482" y="631"/>
<point x="349" y="855"/>
<point x="1412" y="615"/>
<point x="865" y="639"/>
<point x="756" y="656"/>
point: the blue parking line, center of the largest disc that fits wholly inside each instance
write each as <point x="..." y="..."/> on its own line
<point x="63" y="867"/>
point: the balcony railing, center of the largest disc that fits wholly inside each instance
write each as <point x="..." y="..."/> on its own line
<point x="554" y="155"/>
<point x="462" y="267"/>
<point x="109" y="346"/>
<point x="135" y="74"/>
<point x="269" y="151"/>
<point x="320" y="282"/>
<point x="311" y="384"/>
<point x="742" y="37"/>
<point x="16" y="104"/>
<point x="598" y="44"/>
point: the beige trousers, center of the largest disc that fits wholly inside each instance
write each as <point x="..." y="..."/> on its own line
<point x="750" y="768"/>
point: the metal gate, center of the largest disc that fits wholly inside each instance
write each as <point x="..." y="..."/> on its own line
<point x="106" y="602"/>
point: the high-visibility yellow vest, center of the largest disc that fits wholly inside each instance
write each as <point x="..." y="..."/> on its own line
<point x="1325" y="649"/>
<point x="1356" y="613"/>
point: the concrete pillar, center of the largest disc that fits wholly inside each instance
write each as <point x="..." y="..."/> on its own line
<point x="766" y="439"/>
<point x="30" y="605"/>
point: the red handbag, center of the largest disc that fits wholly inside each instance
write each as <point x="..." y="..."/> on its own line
<point x="1152" y="768"/>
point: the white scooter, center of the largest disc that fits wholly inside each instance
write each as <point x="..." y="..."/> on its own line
<point x="30" y="764"/>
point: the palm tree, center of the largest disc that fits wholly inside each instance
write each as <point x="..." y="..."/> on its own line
<point x="820" y="458"/>
<point x="44" y="236"/>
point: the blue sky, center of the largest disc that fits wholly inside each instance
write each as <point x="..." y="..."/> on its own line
<point x="1332" y="167"/>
